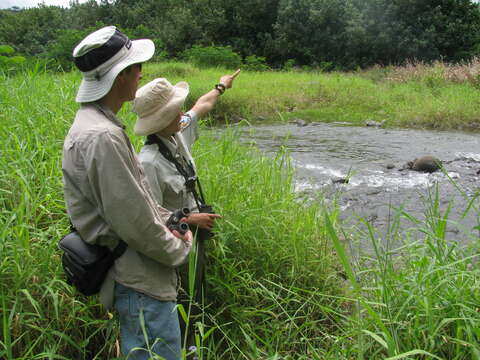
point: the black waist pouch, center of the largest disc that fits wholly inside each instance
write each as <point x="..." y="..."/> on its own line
<point x="86" y="265"/>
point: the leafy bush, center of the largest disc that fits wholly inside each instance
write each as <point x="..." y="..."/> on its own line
<point x="212" y="56"/>
<point x="160" y="53"/>
<point x="289" y="64"/>
<point x="326" y="66"/>
<point x="255" y="63"/>
<point x="8" y="62"/>
<point x="6" y="49"/>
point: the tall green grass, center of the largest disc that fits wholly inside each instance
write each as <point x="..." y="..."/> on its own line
<point x="42" y="318"/>
<point x="272" y="280"/>
<point x="277" y="286"/>
<point x="274" y="290"/>
<point x="417" y="297"/>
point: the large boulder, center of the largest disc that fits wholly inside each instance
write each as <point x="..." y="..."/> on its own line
<point x="428" y="164"/>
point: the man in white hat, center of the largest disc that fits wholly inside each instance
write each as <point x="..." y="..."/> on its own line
<point x="170" y="168"/>
<point x="108" y="198"/>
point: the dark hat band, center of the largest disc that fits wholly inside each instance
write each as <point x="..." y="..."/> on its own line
<point x="100" y="55"/>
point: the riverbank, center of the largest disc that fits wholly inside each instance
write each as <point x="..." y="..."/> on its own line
<point x="278" y="264"/>
<point x="418" y="96"/>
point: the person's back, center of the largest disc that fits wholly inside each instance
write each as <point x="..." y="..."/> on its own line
<point x="88" y="127"/>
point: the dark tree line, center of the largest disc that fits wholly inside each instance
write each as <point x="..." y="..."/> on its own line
<point x="326" y="33"/>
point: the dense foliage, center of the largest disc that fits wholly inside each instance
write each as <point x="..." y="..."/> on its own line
<point x="322" y="33"/>
<point x="8" y="61"/>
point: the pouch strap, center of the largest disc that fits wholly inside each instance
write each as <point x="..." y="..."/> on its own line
<point x="119" y="249"/>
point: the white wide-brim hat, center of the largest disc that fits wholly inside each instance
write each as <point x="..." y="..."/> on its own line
<point x="108" y="51"/>
<point x="157" y="104"/>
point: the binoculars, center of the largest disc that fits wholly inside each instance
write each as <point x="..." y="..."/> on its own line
<point x="173" y="222"/>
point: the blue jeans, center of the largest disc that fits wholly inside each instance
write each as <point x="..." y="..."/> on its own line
<point x="160" y="334"/>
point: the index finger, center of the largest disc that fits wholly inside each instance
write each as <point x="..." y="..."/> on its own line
<point x="234" y="75"/>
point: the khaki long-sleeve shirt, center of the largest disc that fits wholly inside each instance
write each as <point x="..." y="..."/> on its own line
<point x="167" y="184"/>
<point x="108" y="198"/>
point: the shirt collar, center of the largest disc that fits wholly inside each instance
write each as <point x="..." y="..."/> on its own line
<point x="172" y="146"/>
<point x="109" y="114"/>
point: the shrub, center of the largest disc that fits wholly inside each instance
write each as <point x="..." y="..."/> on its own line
<point x="6" y="49"/>
<point x="212" y="56"/>
<point x="8" y="62"/>
<point x="255" y="63"/>
<point x="326" y="66"/>
<point x="289" y="64"/>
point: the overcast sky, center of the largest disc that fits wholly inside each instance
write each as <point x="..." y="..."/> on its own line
<point x="5" y="4"/>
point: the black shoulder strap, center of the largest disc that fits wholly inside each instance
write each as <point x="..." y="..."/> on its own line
<point x="153" y="139"/>
<point x="167" y="154"/>
<point x="120" y="249"/>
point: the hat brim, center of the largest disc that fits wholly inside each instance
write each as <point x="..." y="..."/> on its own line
<point x="92" y="90"/>
<point x="160" y="119"/>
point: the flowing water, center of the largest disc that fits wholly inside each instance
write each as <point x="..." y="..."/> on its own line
<point x="324" y="153"/>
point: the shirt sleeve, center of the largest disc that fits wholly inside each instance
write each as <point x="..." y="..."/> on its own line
<point x="190" y="132"/>
<point x="125" y="204"/>
<point x="157" y="186"/>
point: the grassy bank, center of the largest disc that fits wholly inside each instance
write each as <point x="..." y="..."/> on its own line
<point x="437" y="96"/>
<point x="275" y="289"/>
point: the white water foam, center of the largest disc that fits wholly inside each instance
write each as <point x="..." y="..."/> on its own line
<point x="322" y="170"/>
<point x="391" y="181"/>
<point x="304" y="186"/>
<point x="467" y="156"/>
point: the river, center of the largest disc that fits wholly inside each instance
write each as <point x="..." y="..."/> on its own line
<point x="323" y="153"/>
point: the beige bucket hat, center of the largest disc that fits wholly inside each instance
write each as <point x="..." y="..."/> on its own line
<point x="157" y="104"/>
<point x="102" y="55"/>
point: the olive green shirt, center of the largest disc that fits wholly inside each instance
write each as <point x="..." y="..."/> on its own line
<point x="108" y="198"/>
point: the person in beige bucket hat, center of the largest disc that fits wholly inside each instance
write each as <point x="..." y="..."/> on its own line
<point x="170" y="169"/>
<point x="109" y="201"/>
<point x="157" y="104"/>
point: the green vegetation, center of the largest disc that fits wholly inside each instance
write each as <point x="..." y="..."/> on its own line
<point x="8" y="62"/>
<point x="324" y="34"/>
<point x="276" y="284"/>
<point x="438" y="96"/>
<point x="211" y="56"/>
<point x="416" y="297"/>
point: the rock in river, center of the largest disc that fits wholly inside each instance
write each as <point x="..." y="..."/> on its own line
<point x="299" y="122"/>
<point x="428" y="164"/>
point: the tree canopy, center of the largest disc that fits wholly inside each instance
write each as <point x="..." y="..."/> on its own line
<point x="331" y="34"/>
